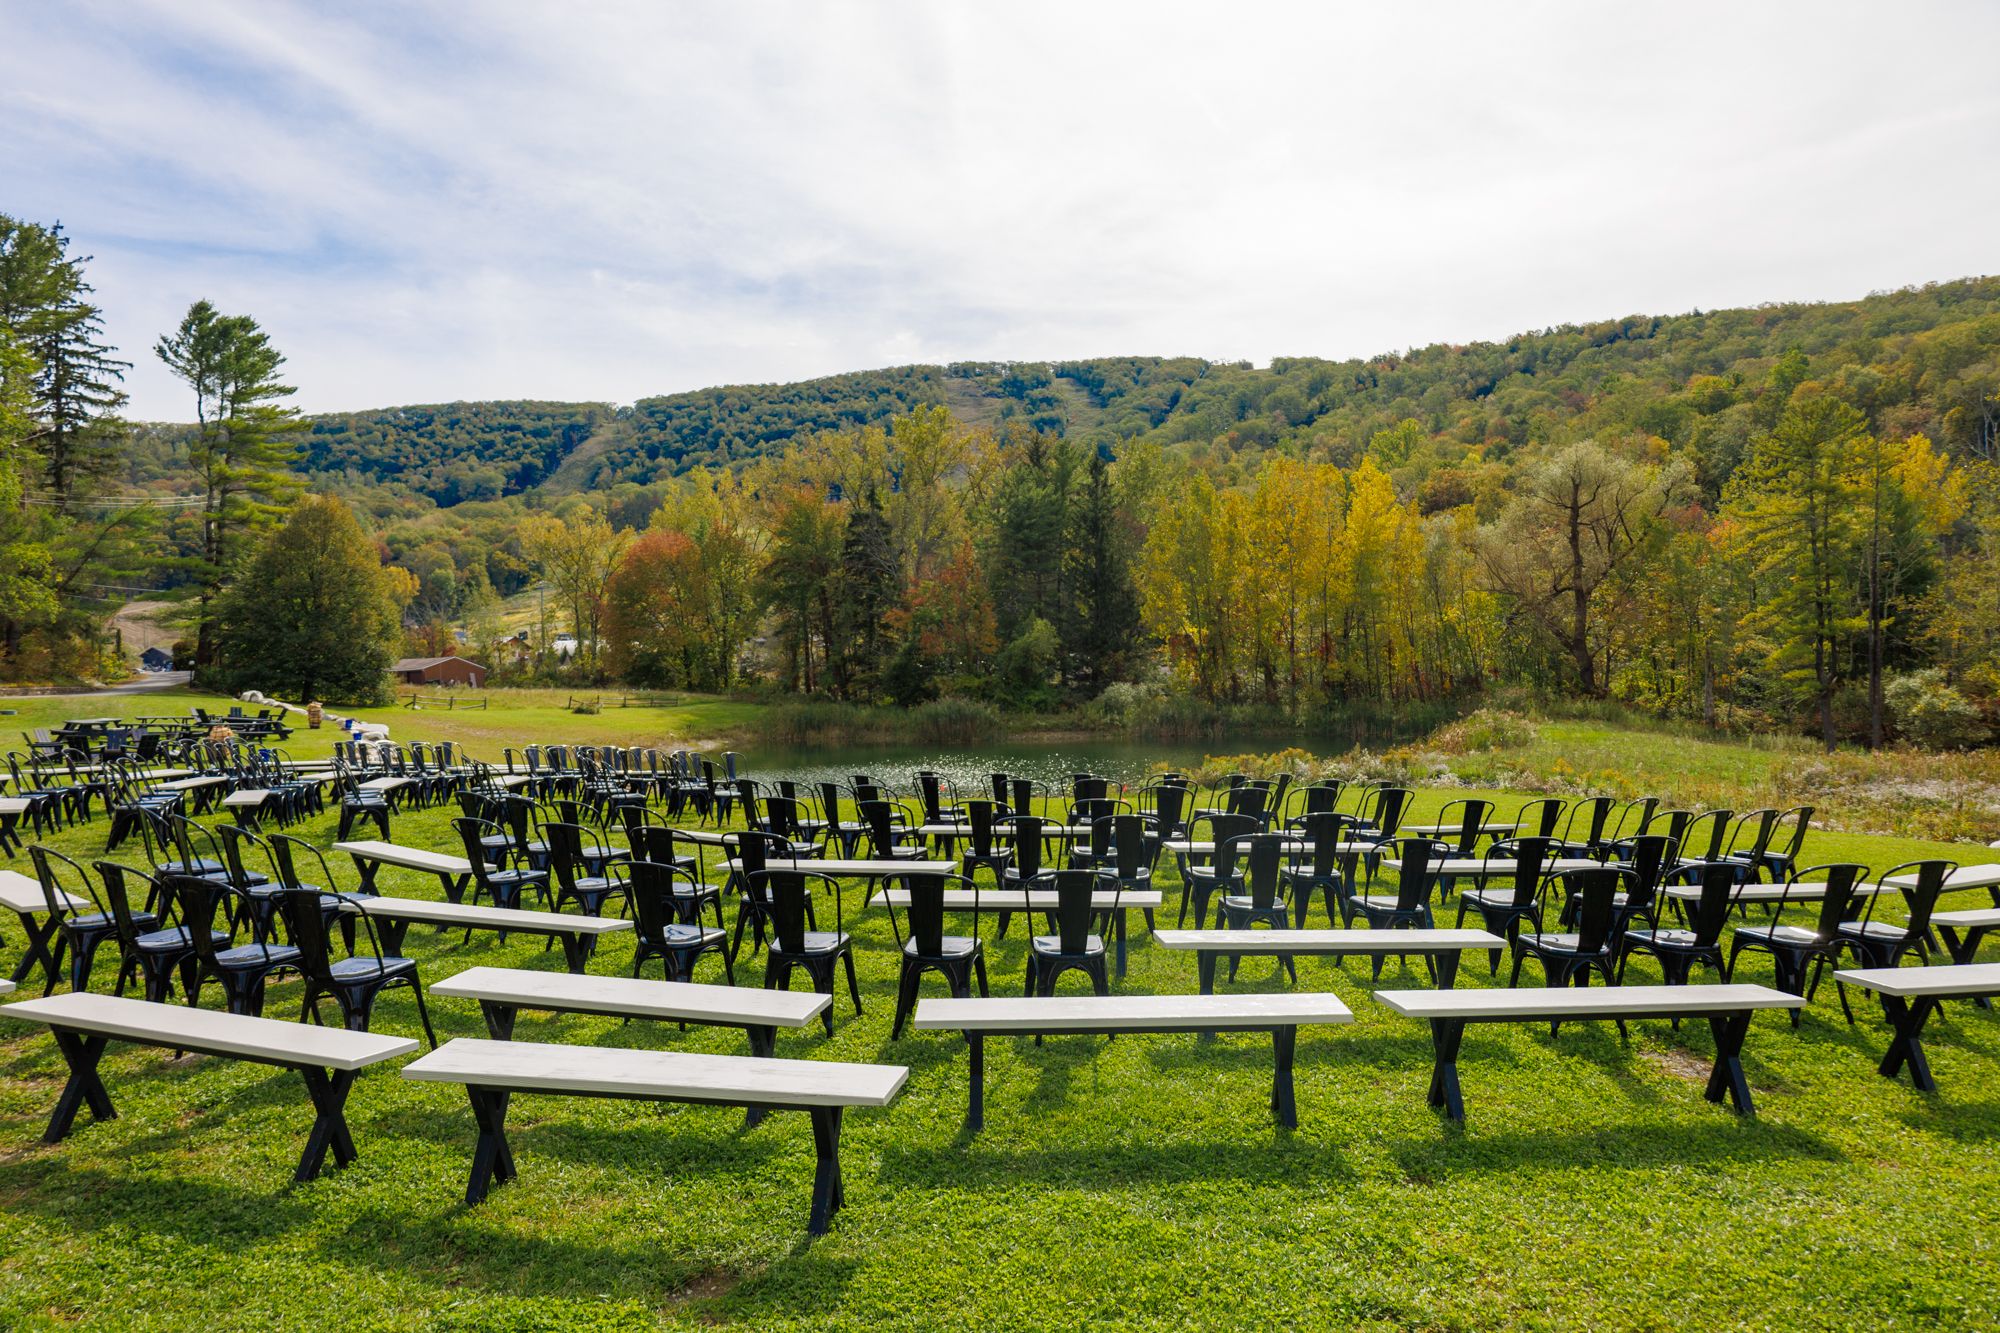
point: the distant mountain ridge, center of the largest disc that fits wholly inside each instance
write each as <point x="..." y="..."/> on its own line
<point x="1927" y="352"/>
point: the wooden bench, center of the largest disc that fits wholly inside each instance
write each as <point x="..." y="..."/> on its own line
<point x="24" y="898"/>
<point x="1058" y="1015"/>
<point x="1441" y="947"/>
<point x="1727" y="1009"/>
<point x="577" y="934"/>
<point x="1910" y="995"/>
<point x="371" y="856"/>
<point x="492" y="1071"/>
<point x="326" y="1058"/>
<point x="1038" y="900"/>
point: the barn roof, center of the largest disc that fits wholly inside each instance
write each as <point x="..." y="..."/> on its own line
<point x="425" y="663"/>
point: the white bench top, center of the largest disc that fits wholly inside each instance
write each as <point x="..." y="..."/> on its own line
<point x="1003" y="832"/>
<point x="1984" y="916"/>
<point x="480" y="916"/>
<point x="6" y="986"/>
<point x="248" y="796"/>
<point x="385" y="784"/>
<point x="14" y="805"/>
<point x="1477" y="865"/>
<point x="1965" y="877"/>
<point x="190" y="784"/>
<point x="1020" y="900"/>
<point x="724" y="1005"/>
<point x="1096" y="1013"/>
<point x="1570" y="1001"/>
<point x="1963" y="979"/>
<point x="1433" y="830"/>
<point x="707" y="837"/>
<point x="1805" y="891"/>
<point x="212" y="1030"/>
<point x="409" y="858"/>
<point x="1327" y="941"/>
<point x="837" y="867"/>
<point x="20" y="893"/>
<point x="525" y="1066"/>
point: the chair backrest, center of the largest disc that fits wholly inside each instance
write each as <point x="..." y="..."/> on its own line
<point x="1596" y="890"/>
<point x="1718" y="880"/>
<point x="1414" y="859"/>
<point x="1248" y="798"/>
<point x="881" y="829"/>
<point x="930" y="791"/>
<point x="1635" y="817"/>
<point x="746" y="792"/>
<point x="1838" y="902"/>
<point x="1267" y="851"/>
<point x="1592" y="812"/>
<point x="1023" y="796"/>
<point x="1530" y="857"/>
<point x="1321" y="797"/>
<point x="1088" y="787"/>
<point x="198" y="900"/>
<point x="470" y="831"/>
<point x="1386" y="809"/>
<point x="1131" y="846"/>
<point x="1229" y="834"/>
<point x="997" y="784"/>
<point x="285" y="851"/>
<point x="979" y="818"/>
<point x="59" y="875"/>
<point x="784" y="893"/>
<point x="1752" y="835"/>
<point x="234" y="841"/>
<point x="1169" y="806"/>
<point x="829" y="802"/>
<point x="1075" y="890"/>
<point x="307" y="927"/>
<point x="565" y="843"/>
<point x="1538" y="818"/>
<point x="1472" y="816"/>
<point x="650" y="887"/>
<point x="118" y="897"/>
<point x="1801" y="817"/>
<point x="1653" y="855"/>
<point x="1027" y="832"/>
<point x="926" y="910"/>
<point x="1706" y="835"/>
<point x="781" y="816"/>
<point x="1921" y="898"/>
<point x="1324" y="831"/>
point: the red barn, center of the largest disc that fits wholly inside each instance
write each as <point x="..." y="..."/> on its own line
<point x="439" y="671"/>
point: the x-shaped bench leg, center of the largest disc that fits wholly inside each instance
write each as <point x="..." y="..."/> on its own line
<point x="82" y="1054"/>
<point x="329" y="1099"/>
<point x="1284" y="1041"/>
<point x="1908" y="1021"/>
<point x="1446" y="1033"/>
<point x="367" y="870"/>
<point x="39" y="930"/>
<point x="576" y="950"/>
<point x="1727" y="1076"/>
<point x="828" y="1194"/>
<point x="492" y="1159"/>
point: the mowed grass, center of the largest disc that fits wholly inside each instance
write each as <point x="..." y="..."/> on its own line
<point x="1130" y="1183"/>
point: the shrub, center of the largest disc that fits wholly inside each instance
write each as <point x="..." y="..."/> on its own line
<point x="1930" y="713"/>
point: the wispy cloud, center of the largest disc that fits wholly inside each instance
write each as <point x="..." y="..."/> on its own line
<point x="603" y="201"/>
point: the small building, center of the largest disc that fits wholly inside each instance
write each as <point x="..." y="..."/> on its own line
<point x="156" y="659"/>
<point x="439" y="671"/>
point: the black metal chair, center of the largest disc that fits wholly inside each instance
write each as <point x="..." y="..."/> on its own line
<point x="504" y="887"/>
<point x="590" y="892"/>
<point x="1679" y="949"/>
<point x="1539" y="818"/>
<point x="657" y="892"/>
<point x="981" y="852"/>
<point x="79" y="931"/>
<point x="1264" y="901"/>
<point x="884" y="833"/>
<point x="1410" y="904"/>
<point x="1073" y="946"/>
<point x="1023" y="871"/>
<point x="1583" y="832"/>
<point x="1878" y="944"/>
<point x="354" y="982"/>
<point x="786" y="896"/>
<point x="753" y="854"/>
<point x="153" y="954"/>
<point x="1503" y="910"/>
<point x="1227" y="835"/>
<point x="959" y="959"/>
<point x="1779" y="861"/>
<point x="1794" y="949"/>
<point x="242" y="970"/>
<point x="1314" y="863"/>
<point x="1570" y="956"/>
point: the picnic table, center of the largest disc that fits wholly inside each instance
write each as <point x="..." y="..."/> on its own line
<point x="1125" y="901"/>
<point x="371" y="855"/>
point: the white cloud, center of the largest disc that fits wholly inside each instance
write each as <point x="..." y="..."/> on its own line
<point x="605" y="201"/>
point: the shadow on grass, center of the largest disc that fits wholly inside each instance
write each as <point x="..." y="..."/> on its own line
<point x="1266" y="1155"/>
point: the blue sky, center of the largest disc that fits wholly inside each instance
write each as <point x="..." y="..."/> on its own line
<point x="425" y="202"/>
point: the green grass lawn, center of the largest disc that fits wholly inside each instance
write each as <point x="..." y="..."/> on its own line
<point x="1136" y="1182"/>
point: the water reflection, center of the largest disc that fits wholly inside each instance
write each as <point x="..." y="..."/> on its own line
<point x="1126" y="762"/>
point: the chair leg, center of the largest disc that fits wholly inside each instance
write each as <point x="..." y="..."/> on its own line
<point x="423" y="1012"/>
<point x="906" y="998"/>
<point x="853" y="983"/>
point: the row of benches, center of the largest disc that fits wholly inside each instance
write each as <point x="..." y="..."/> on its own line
<point x="494" y="1069"/>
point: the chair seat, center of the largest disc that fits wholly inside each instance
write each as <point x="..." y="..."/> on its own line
<point x="682" y="936"/>
<point x="1243" y="902"/>
<point x="1557" y="943"/>
<point x="257" y="955"/>
<point x="365" y="968"/>
<point x="1052" y="945"/>
<point x="952" y="946"/>
<point x="173" y="940"/>
<point x="1670" y="939"/>
<point x="1380" y="901"/>
<point x="199" y="868"/>
<point x="103" y="920"/>
<point x="505" y="877"/>
<point x="820" y="941"/>
<point x="1793" y="935"/>
<point x="1012" y="879"/>
<point x="1492" y="898"/>
<point x="1871" y="930"/>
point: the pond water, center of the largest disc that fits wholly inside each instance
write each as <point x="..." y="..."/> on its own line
<point x="1052" y="763"/>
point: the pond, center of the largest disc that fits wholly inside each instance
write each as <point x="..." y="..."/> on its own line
<point x="1053" y="762"/>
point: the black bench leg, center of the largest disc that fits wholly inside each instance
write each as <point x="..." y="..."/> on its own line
<point x="367" y="869"/>
<point x="82" y="1053"/>
<point x="1284" y="1040"/>
<point x="454" y="887"/>
<point x="329" y="1098"/>
<point x="828" y="1196"/>
<point x="39" y="932"/>
<point x="1445" y="965"/>
<point x="499" y="1019"/>
<point x="393" y="933"/>
<point x="763" y="1042"/>
<point x="1446" y="1034"/>
<point x="492" y="1159"/>
<point x="1907" y="1021"/>
<point x="576" y="951"/>
<point x="975" y="1111"/>
<point x="1205" y="965"/>
<point x="1727" y="1076"/>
